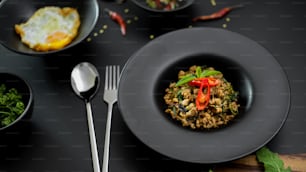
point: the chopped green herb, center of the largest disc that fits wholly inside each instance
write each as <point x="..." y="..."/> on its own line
<point x="11" y="105"/>
<point x="271" y="161"/>
<point x="179" y="96"/>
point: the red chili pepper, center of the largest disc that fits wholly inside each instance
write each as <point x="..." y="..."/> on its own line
<point x="202" y="99"/>
<point x="168" y="7"/>
<point x="158" y="4"/>
<point x="118" y="18"/>
<point x="198" y="81"/>
<point x="219" y="14"/>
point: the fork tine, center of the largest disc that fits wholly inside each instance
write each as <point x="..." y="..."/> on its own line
<point x="106" y="78"/>
<point x="118" y="75"/>
<point x="114" y="77"/>
<point x="110" y="78"/>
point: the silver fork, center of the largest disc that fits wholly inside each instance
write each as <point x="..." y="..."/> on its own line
<point x="112" y="75"/>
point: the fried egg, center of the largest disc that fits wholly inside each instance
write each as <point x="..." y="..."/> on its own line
<point x="50" y="28"/>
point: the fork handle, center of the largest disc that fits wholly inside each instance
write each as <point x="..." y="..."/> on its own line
<point x="107" y="138"/>
<point x="92" y="135"/>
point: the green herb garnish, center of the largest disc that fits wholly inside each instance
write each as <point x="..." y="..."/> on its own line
<point x="185" y="79"/>
<point x="198" y="74"/>
<point x="206" y="73"/>
<point x="179" y="96"/>
<point x="271" y="161"/>
<point x="11" y="105"/>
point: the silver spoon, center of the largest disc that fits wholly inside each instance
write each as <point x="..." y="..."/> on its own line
<point x="85" y="82"/>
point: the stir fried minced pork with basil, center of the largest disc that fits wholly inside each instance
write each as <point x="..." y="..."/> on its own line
<point x="201" y="99"/>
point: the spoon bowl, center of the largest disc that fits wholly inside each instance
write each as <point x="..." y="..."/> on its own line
<point x="85" y="81"/>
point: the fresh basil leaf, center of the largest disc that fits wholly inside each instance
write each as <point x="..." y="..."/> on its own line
<point x="206" y="73"/>
<point x="179" y="95"/>
<point x="271" y="161"/>
<point x="198" y="72"/>
<point x="185" y="79"/>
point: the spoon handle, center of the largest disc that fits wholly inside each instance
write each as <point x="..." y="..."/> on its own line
<point x="92" y="135"/>
<point x="107" y="138"/>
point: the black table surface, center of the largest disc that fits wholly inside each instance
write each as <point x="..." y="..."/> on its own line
<point x="56" y="138"/>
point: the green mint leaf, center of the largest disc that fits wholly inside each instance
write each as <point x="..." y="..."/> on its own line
<point x="271" y="161"/>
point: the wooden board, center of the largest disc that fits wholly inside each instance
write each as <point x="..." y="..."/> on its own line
<point x="297" y="163"/>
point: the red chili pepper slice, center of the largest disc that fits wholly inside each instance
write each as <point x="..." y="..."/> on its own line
<point x="118" y="18"/>
<point x="219" y="14"/>
<point x="197" y="82"/>
<point x="158" y="4"/>
<point x="202" y="99"/>
<point x="200" y="103"/>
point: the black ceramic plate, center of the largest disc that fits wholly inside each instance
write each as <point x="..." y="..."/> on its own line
<point x="182" y="4"/>
<point x="263" y="87"/>
<point x="15" y="12"/>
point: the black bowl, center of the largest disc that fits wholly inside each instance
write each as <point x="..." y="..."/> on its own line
<point x="182" y="4"/>
<point x="14" y="12"/>
<point x="232" y="71"/>
<point x="23" y="88"/>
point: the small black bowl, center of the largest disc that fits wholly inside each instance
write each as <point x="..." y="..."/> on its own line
<point x="182" y="4"/>
<point x="14" y="12"/>
<point x="23" y="88"/>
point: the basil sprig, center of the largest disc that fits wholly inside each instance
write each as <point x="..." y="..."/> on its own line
<point x="185" y="79"/>
<point x="271" y="161"/>
<point x="198" y="74"/>
<point x="206" y="73"/>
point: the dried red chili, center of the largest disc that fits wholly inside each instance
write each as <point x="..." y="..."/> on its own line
<point x="219" y="14"/>
<point x="118" y="18"/>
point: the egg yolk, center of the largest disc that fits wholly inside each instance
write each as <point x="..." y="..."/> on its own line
<point x="55" y="41"/>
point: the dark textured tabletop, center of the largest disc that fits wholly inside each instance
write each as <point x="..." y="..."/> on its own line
<point x="56" y="137"/>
